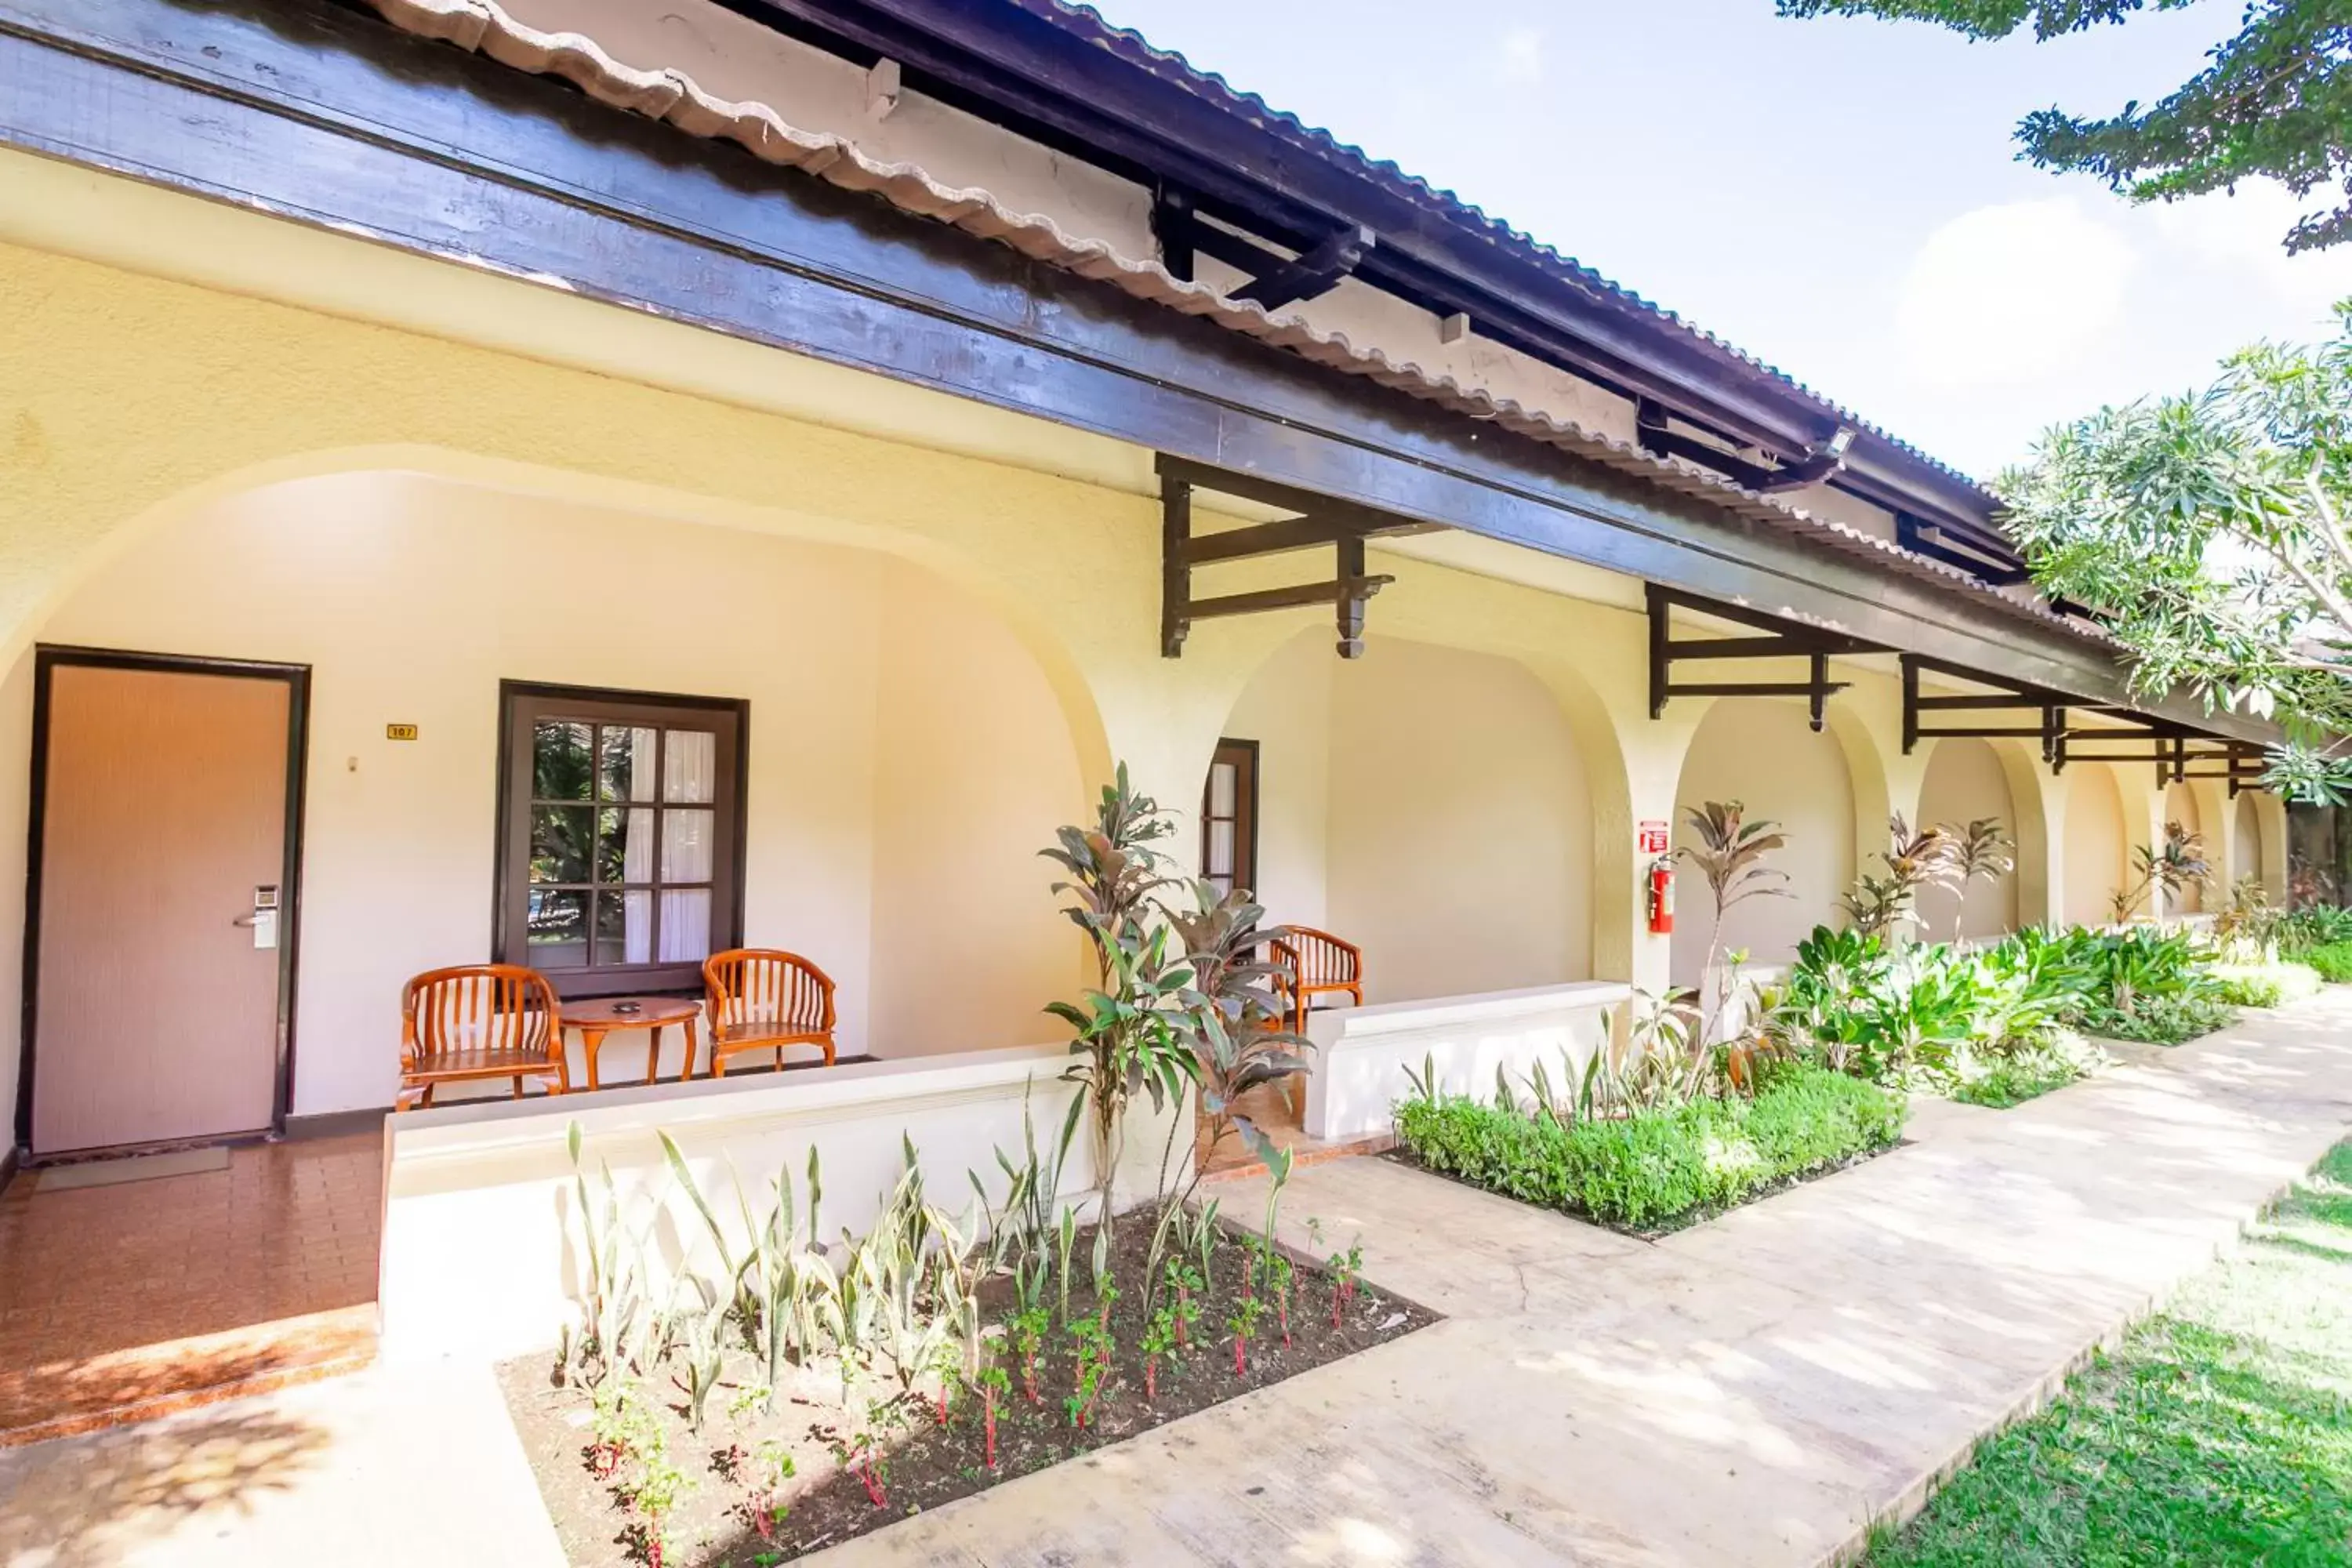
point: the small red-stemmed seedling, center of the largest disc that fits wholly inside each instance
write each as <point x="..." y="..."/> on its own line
<point x="1089" y="1370"/>
<point x="1159" y="1343"/>
<point x="1183" y="1279"/>
<point x="992" y="1381"/>
<point x="1028" y="1336"/>
<point x="1345" y="1268"/>
<point x="1244" y="1324"/>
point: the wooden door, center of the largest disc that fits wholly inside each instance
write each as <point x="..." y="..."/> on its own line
<point x="157" y="969"/>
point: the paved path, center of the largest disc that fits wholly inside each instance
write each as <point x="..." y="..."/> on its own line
<point x="1751" y="1392"/>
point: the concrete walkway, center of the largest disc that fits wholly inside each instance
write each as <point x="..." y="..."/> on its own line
<point x="1751" y="1392"/>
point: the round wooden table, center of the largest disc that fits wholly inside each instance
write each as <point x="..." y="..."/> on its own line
<point x="610" y="1015"/>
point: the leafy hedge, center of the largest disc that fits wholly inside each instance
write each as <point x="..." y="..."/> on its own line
<point x="1656" y="1168"/>
<point x="2270" y="984"/>
<point x="2333" y="959"/>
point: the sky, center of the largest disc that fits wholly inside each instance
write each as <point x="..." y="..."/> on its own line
<point x="1841" y="198"/>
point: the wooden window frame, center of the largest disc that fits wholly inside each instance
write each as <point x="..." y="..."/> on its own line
<point x="521" y="705"/>
<point x="1245" y="801"/>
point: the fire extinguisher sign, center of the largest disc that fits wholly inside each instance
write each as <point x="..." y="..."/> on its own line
<point x="1654" y="838"/>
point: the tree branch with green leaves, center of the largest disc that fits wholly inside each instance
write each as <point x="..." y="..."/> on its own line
<point x="2273" y="103"/>
<point x="2206" y="532"/>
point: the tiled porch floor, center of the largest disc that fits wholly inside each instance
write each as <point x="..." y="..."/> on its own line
<point x="1270" y="1109"/>
<point x="121" y="1302"/>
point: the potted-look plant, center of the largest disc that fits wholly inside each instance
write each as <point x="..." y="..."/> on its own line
<point x="1125" y="1029"/>
<point x="1730" y="855"/>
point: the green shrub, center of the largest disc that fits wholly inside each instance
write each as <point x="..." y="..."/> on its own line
<point x="2331" y="959"/>
<point x="2316" y="925"/>
<point x="2264" y="984"/>
<point x="2058" y="1058"/>
<point x="1660" y="1166"/>
<point x="2161" y="1020"/>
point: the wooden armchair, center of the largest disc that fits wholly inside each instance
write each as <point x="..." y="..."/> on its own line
<point x="759" y="999"/>
<point x="1320" y="964"/>
<point x="481" y="1022"/>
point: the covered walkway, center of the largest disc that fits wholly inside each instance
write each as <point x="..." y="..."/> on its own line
<point x="1753" y="1390"/>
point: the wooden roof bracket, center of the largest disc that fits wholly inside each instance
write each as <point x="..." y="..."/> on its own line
<point x="2008" y="700"/>
<point x="1276" y="280"/>
<point x="1320" y="520"/>
<point x="1778" y="639"/>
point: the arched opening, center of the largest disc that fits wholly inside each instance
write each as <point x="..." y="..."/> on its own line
<point x="2097" y="845"/>
<point x="1764" y="755"/>
<point x="1964" y="783"/>
<point x="2181" y="805"/>
<point x="906" y="754"/>
<point x="2250" y="860"/>
<point x="1429" y="805"/>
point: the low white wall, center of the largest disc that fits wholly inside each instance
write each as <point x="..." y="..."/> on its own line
<point x="482" y="1251"/>
<point x="1362" y="1054"/>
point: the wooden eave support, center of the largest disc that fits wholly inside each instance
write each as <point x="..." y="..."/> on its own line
<point x="1276" y="280"/>
<point x="2037" y="714"/>
<point x="1781" y="639"/>
<point x="1342" y="526"/>
<point x="1811" y="466"/>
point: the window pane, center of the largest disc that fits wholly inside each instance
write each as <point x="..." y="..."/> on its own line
<point x="684" y="924"/>
<point x="1223" y="778"/>
<point x="625" y="846"/>
<point x="559" y="760"/>
<point x="560" y="839"/>
<point x="557" y="929"/>
<point x="1221" y="851"/>
<point x="625" y="923"/>
<point x="687" y="845"/>
<point x="691" y="766"/>
<point x="624" y="762"/>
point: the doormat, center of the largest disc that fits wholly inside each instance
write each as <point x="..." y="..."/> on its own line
<point x="137" y="1168"/>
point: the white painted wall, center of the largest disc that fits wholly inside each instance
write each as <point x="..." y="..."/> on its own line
<point x="1762" y="754"/>
<point x="1426" y="803"/>
<point x="1367" y="1057"/>
<point x="975" y="772"/>
<point x="2098" y="856"/>
<point x="479" y="1204"/>
<point x="1287" y="709"/>
<point x="907" y="755"/>
<point x="1461" y="825"/>
<point x="1964" y="781"/>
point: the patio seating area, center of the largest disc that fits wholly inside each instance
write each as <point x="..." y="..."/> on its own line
<point x="127" y="1300"/>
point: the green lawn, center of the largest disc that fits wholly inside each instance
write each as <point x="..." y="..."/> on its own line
<point x="2221" y="1433"/>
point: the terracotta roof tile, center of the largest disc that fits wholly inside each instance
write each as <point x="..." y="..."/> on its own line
<point x="669" y="95"/>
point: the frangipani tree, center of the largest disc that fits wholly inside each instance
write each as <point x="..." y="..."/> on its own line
<point x="2209" y="531"/>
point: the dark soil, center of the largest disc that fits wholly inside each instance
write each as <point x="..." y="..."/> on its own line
<point x="720" y="1520"/>
<point x="1403" y="1156"/>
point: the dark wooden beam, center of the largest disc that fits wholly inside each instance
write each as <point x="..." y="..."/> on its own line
<point x="1175" y="574"/>
<point x="1277" y="538"/>
<point x="1317" y="271"/>
<point x="317" y="114"/>
<point x="1782" y="640"/>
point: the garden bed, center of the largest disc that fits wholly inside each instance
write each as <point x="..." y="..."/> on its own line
<point x="1654" y="1172"/>
<point x="724" y="1511"/>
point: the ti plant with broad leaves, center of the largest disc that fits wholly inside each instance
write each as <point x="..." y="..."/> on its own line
<point x="1943" y="857"/>
<point x="2169" y="869"/>
<point x="1730" y="855"/>
<point x="1126" y="1034"/>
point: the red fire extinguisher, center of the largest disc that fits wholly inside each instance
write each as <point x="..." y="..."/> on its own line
<point x="1662" y="895"/>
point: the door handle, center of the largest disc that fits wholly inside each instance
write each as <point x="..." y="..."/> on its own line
<point x="246" y="920"/>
